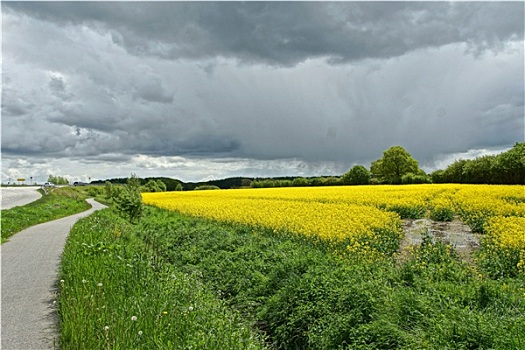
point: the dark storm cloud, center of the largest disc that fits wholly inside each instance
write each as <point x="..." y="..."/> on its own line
<point x="285" y="33"/>
<point x="258" y="88"/>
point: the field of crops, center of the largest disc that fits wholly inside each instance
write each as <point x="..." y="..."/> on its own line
<point x="297" y="268"/>
<point x="366" y="218"/>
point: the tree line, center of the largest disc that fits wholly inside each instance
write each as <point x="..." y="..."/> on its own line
<point x="505" y="168"/>
<point x="396" y="166"/>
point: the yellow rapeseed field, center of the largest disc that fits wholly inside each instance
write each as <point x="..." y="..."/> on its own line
<point x="356" y="214"/>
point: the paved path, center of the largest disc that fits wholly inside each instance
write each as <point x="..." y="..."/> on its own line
<point x="16" y="196"/>
<point x="29" y="271"/>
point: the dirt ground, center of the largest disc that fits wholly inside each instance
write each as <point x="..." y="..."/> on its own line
<point x="454" y="232"/>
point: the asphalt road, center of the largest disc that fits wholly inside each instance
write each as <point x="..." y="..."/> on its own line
<point x="16" y="196"/>
<point x="30" y="263"/>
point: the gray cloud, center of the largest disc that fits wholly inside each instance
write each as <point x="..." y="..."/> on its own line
<point x="285" y="33"/>
<point x="256" y="88"/>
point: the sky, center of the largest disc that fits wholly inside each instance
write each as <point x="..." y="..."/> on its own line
<point x="208" y="90"/>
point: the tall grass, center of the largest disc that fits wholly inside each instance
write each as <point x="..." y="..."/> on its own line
<point x="114" y="294"/>
<point x="247" y="280"/>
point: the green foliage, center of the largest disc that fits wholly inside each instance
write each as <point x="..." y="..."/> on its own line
<point x="395" y="163"/>
<point x="411" y="178"/>
<point x="179" y="187"/>
<point x="129" y="200"/>
<point x="57" y="180"/>
<point x="358" y="175"/>
<point x="115" y="293"/>
<point x="94" y="191"/>
<point x="206" y="187"/>
<point x="441" y="214"/>
<point x="304" y="297"/>
<point x="154" y="186"/>
<point x="499" y="261"/>
<point x="108" y="190"/>
<point x="409" y="211"/>
<point x="170" y="184"/>
<point x="510" y="165"/>
<point x="300" y="182"/>
<point x="57" y="204"/>
<point x="505" y="168"/>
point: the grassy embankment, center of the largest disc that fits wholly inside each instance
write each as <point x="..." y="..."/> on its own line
<point x="56" y="204"/>
<point x="176" y="282"/>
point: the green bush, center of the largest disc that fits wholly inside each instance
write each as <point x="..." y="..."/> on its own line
<point x="154" y="186"/>
<point x="206" y="187"/>
<point x="129" y="200"/>
<point x="411" y="178"/>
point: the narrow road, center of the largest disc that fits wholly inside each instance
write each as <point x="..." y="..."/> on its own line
<point x="16" y="196"/>
<point x="30" y="263"/>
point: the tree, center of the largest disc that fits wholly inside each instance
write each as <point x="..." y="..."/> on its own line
<point x="480" y="170"/>
<point x="510" y="165"/>
<point x="395" y="163"/>
<point x="154" y="186"/>
<point x="300" y="181"/>
<point x="358" y="175"/>
<point x="505" y="168"/>
<point x="108" y="188"/>
<point x="57" y="180"/>
<point x="129" y="201"/>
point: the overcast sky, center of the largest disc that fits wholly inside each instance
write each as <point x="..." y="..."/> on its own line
<point x="209" y="90"/>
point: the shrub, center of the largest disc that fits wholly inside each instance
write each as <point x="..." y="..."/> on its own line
<point x="207" y="187"/>
<point x="411" y="178"/>
<point x="129" y="200"/>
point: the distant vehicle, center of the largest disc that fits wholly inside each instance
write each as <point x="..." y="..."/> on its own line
<point x="49" y="184"/>
<point x="79" y="183"/>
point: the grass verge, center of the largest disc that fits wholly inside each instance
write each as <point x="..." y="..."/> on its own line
<point x="293" y="290"/>
<point x="114" y="294"/>
<point x="56" y="204"/>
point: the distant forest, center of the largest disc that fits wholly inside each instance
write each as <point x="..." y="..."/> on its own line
<point x="505" y="168"/>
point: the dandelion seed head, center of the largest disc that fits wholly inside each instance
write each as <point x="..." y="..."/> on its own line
<point x="133" y="318"/>
<point x="106" y="328"/>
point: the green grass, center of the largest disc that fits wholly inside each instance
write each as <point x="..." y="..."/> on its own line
<point x="114" y="294"/>
<point x="58" y="203"/>
<point x="293" y="290"/>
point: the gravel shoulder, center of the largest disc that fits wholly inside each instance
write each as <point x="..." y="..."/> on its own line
<point x="29" y="268"/>
<point x="17" y="196"/>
